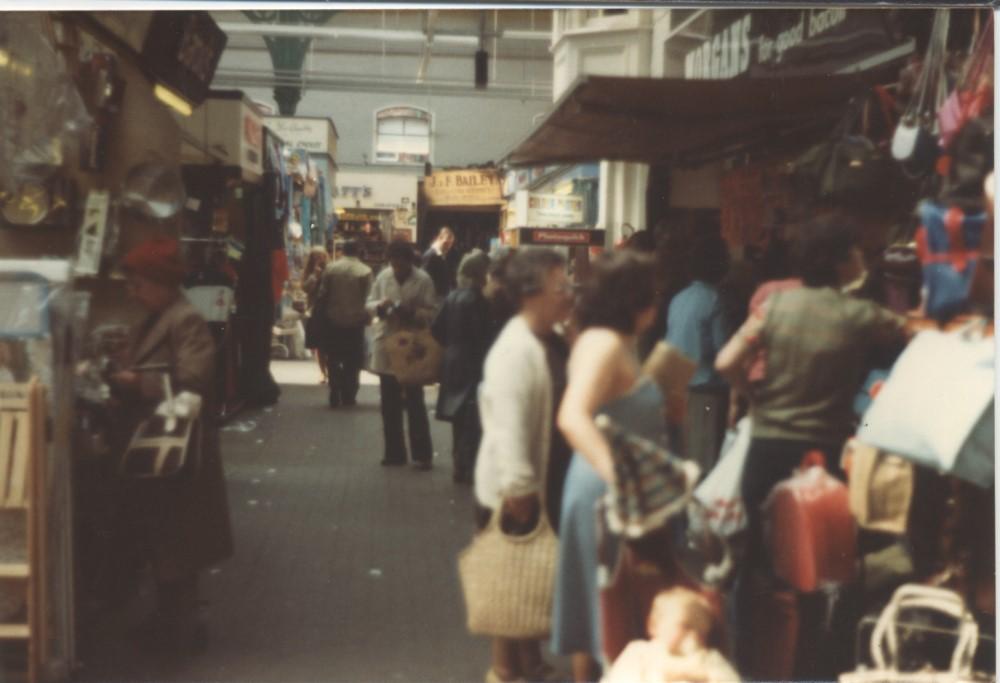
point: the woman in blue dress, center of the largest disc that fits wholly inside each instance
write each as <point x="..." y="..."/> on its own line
<point x="616" y="305"/>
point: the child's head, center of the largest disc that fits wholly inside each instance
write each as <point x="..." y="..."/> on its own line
<point x="680" y="619"/>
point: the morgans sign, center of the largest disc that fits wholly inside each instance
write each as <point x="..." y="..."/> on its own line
<point x="800" y="42"/>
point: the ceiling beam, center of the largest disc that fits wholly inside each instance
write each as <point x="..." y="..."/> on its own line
<point x="425" y="57"/>
<point x="388" y="35"/>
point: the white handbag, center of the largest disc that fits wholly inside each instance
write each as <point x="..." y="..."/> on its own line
<point x="720" y="492"/>
<point x="915" y="137"/>
<point x="885" y="646"/>
<point x="936" y="407"/>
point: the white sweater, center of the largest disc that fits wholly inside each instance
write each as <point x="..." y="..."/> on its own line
<point x="515" y="406"/>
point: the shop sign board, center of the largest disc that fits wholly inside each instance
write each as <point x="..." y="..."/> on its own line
<point x="557" y="237"/>
<point x="314" y="135"/>
<point x="182" y="51"/>
<point x="554" y="209"/>
<point x="384" y="191"/>
<point x="463" y="188"/>
<point x="231" y="127"/>
<point x="793" y="42"/>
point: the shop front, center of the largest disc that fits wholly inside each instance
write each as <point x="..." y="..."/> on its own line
<point x="469" y="201"/>
<point x="311" y="157"/>
<point x="90" y="167"/>
<point x="374" y="208"/>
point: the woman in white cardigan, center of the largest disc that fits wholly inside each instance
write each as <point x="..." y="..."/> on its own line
<point x="516" y="408"/>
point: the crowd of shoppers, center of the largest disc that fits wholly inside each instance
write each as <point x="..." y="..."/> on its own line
<point x="795" y="366"/>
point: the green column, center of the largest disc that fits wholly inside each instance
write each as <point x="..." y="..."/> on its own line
<point x="288" y="53"/>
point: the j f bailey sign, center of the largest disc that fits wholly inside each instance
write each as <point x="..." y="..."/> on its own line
<point x="772" y="38"/>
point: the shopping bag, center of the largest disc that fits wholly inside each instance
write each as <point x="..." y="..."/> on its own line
<point x="508" y="581"/>
<point x="720" y="493"/>
<point x="880" y="488"/>
<point x="948" y="242"/>
<point x="414" y="357"/>
<point x="936" y="408"/>
<point x="809" y="530"/>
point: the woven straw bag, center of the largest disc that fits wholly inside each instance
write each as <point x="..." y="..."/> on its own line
<point x="508" y="581"/>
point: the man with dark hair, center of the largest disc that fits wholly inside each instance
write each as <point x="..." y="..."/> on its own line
<point x="436" y="262"/>
<point x="402" y="298"/>
<point x="342" y="294"/>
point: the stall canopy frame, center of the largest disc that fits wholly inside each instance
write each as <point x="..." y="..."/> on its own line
<point x="659" y="120"/>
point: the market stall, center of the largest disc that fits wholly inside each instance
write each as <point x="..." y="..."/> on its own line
<point x="90" y="166"/>
<point x="374" y="207"/>
<point x="469" y="201"/>
<point x="760" y="149"/>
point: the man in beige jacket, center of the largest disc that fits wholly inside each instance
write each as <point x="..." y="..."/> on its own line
<point x="343" y="291"/>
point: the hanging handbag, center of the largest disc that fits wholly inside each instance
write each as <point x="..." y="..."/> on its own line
<point x="936" y="407"/>
<point x="850" y="164"/>
<point x="885" y="640"/>
<point x="948" y="242"/>
<point x="974" y="91"/>
<point x="914" y="142"/>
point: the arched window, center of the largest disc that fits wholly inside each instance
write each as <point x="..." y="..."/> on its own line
<point x="402" y="136"/>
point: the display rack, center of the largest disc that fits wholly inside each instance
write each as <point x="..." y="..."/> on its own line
<point x="22" y="492"/>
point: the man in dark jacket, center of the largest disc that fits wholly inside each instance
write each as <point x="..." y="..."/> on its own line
<point x="437" y="264"/>
<point x="462" y="327"/>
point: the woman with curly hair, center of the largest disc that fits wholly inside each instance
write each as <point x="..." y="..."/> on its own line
<point x="615" y="307"/>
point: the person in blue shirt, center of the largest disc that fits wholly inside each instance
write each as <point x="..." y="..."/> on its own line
<point x="697" y="325"/>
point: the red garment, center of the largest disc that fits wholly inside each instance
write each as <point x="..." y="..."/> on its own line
<point x="279" y="273"/>
<point x="157" y="259"/>
<point x="758" y="366"/>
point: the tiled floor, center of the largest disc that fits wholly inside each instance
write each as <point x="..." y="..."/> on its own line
<point x="344" y="570"/>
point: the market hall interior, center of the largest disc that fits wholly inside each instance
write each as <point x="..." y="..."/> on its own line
<point x="237" y="246"/>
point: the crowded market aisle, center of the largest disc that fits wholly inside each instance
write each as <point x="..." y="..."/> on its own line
<point x="344" y="570"/>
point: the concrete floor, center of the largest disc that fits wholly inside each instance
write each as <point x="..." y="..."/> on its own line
<point x="344" y="570"/>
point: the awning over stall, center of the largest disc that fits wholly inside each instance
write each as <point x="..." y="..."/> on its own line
<point x="653" y="120"/>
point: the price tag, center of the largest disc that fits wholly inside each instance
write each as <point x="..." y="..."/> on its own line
<point x="95" y="222"/>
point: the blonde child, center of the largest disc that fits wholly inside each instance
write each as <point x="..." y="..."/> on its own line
<point x="679" y="622"/>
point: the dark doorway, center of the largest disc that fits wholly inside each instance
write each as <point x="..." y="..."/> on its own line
<point x="473" y="228"/>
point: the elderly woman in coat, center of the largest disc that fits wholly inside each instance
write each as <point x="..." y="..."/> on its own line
<point x="516" y="404"/>
<point x="184" y="519"/>
<point x="462" y="327"/>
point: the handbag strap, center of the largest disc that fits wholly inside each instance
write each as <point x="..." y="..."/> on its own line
<point x="933" y="68"/>
<point x="914" y="596"/>
<point x="979" y="57"/>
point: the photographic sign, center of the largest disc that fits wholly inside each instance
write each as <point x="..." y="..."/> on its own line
<point x="463" y="188"/>
<point x="558" y="237"/>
